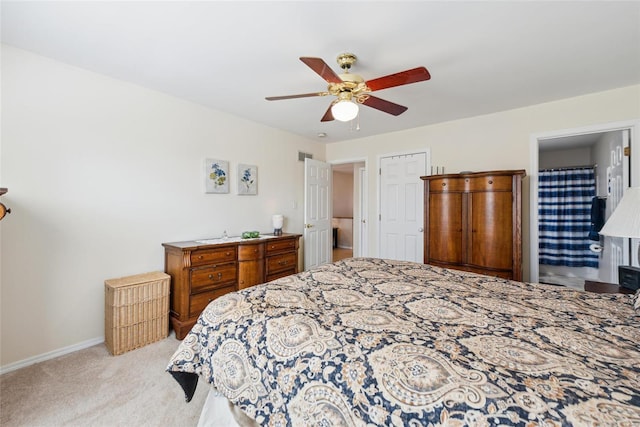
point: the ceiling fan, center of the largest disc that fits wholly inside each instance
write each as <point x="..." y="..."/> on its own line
<point x="351" y="89"/>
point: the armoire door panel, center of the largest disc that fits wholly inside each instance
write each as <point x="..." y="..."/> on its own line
<point x="491" y="243"/>
<point x="445" y="228"/>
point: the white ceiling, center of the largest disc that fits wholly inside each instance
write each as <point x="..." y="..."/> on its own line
<point x="483" y="56"/>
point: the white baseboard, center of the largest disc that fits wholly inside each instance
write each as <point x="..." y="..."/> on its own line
<point x="50" y="355"/>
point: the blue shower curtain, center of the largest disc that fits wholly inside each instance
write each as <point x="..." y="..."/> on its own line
<point x="564" y="217"/>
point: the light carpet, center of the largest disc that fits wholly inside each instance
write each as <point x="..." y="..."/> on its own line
<point x="91" y="387"/>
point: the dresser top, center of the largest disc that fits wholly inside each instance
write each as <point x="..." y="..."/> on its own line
<point x="204" y="243"/>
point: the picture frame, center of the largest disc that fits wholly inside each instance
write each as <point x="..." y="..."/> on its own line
<point x="216" y="176"/>
<point x="247" y="180"/>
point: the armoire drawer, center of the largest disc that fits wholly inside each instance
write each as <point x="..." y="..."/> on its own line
<point x="446" y="184"/>
<point x="491" y="183"/>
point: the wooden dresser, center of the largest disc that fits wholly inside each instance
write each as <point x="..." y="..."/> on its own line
<point x="202" y="271"/>
<point x="473" y="222"/>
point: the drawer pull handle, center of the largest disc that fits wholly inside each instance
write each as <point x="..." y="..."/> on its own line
<point x="228" y="253"/>
<point x="211" y="276"/>
<point x="283" y="262"/>
<point x="219" y="276"/>
<point x="444" y="184"/>
<point x="200" y="257"/>
<point x="490" y="181"/>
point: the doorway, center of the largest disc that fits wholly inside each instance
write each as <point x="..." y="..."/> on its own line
<point x="599" y="149"/>
<point x="349" y="209"/>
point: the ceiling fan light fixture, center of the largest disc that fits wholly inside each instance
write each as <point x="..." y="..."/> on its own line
<point x="344" y="110"/>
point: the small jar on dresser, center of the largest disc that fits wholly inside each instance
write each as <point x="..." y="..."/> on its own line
<point x="202" y="271"/>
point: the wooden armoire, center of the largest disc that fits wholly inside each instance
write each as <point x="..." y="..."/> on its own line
<point x="473" y="222"/>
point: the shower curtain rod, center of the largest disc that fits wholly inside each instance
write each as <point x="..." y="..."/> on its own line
<point x="569" y="168"/>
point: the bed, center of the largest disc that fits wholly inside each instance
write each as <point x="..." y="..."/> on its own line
<point x="367" y="341"/>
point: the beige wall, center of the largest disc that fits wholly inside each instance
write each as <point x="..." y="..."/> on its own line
<point x="490" y="142"/>
<point x="563" y="158"/>
<point x="101" y="172"/>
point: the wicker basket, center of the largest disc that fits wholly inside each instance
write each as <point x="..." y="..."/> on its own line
<point x="136" y="311"/>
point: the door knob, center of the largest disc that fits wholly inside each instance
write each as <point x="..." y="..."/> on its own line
<point x="308" y="225"/>
<point x="420" y="230"/>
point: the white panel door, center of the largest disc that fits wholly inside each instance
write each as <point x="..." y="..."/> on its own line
<point x="317" y="213"/>
<point x="401" y="207"/>
<point x="616" y="249"/>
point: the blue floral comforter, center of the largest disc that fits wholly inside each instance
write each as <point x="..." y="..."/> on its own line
<point x="367" y="341"/>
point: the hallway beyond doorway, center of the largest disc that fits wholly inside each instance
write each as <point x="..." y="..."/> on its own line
<point x="341" y="253"/>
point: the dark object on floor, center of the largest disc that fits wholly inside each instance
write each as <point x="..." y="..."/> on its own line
<point x="188" y="381"/>
<point x="598" y="206"/>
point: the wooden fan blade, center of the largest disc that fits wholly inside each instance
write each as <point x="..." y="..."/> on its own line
<point x="302" y="95"/>
<point x="328" y="116"/>
<point x="322" y="69"/>
<point x="398" y="79"/>
<point x="386" y="106"/>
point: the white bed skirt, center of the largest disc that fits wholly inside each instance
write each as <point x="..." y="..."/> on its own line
<point x="218" y="412"/>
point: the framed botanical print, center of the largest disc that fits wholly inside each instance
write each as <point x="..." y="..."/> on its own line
<point x="247" y="179"/>
<point x="216" y="175"/>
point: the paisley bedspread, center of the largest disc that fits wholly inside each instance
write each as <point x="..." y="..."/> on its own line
<point x="366" y="341"/>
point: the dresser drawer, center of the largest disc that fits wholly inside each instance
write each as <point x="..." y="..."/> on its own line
<point x="281" y="262"/>
<point x="278" y="246"/>
<point x="213" y="256"/>
<point x="280" y="274"/>
<point x="212" y="277"/>
<point x="200" y="301"/>
<point x="250" y="252"/>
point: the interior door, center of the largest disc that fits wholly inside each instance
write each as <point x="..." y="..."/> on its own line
<point x="616" y="249"/>
<point x="317" y="213"/>
<point x="402" y="207"/>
